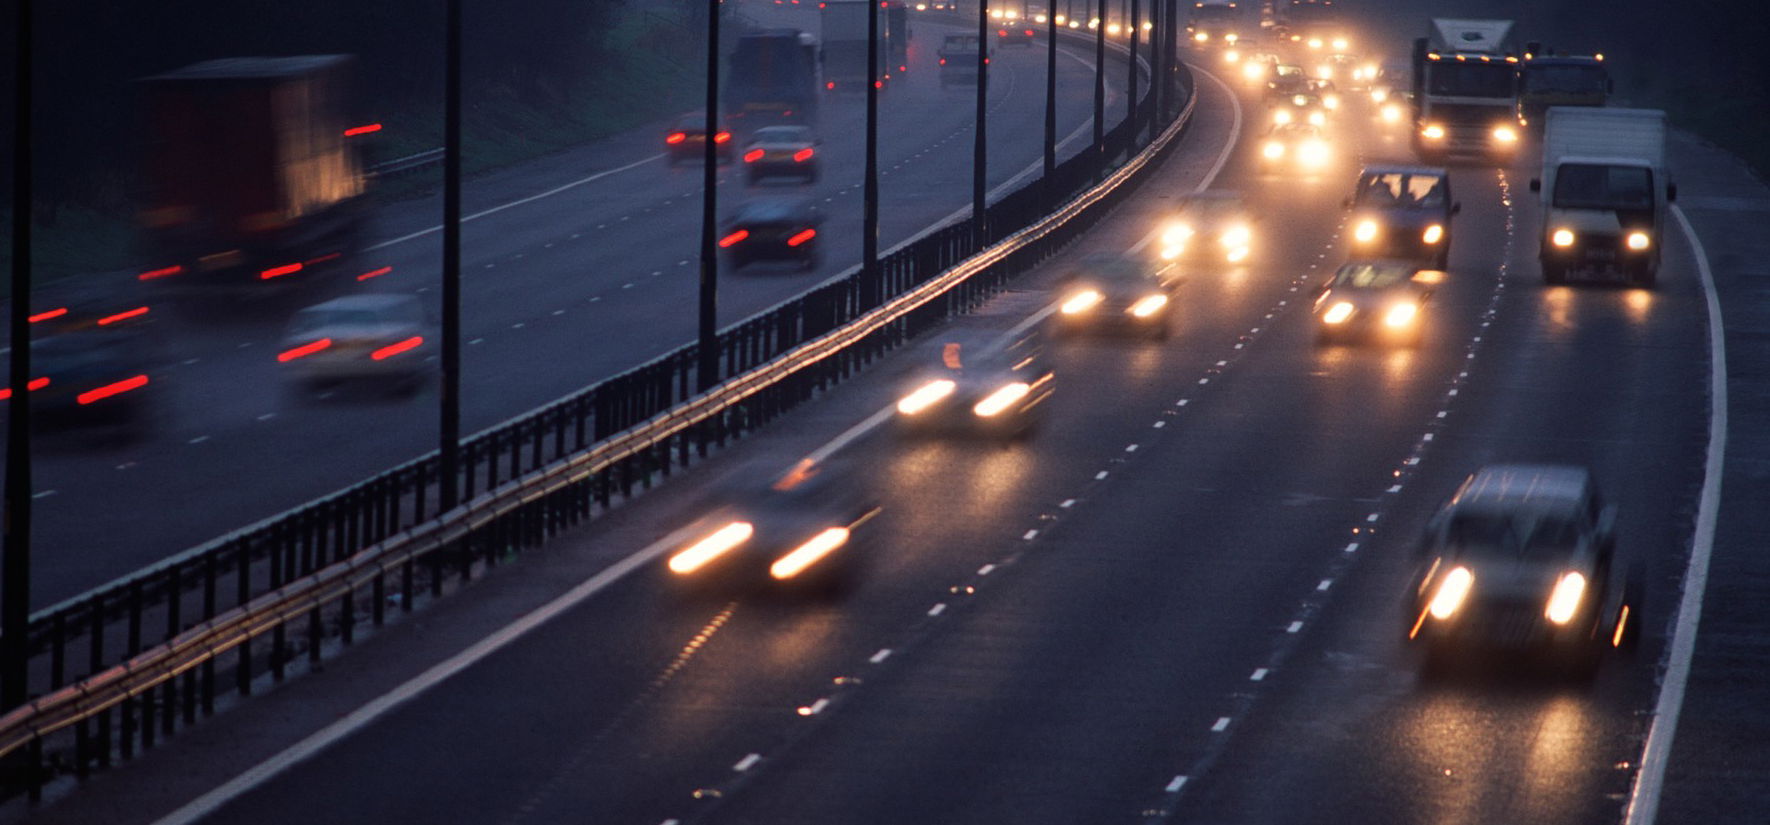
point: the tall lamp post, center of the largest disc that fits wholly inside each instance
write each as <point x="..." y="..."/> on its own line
<point x="15" y="566"/>
<point x="707" y="372"/>
<point x="870" y="288"/>
<point x="979" y="149"/>
<point x="449" y="431"/>
<point x="1051" y="91"/>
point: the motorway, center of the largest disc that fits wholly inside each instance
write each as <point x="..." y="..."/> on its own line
<point x="575" y="267"/>
<point x="1179" y="602"/>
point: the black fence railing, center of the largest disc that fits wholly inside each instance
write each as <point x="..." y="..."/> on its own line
<point x="90" y="635"/>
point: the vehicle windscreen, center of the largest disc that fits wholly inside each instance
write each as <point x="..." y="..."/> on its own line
<point x="1213" y="15"/>
<point x="1580" y="80"/>
<point x="1211" y="208"/>
<point x="316" y="319"/>
<point x="1402" y="190"/>
<point x="1596" y="186"/>
<point x="1544" y="536"/>
<point x="1451" y="78"/>
<point x="1371" y="276"/>
<point x="770" y="65"/>
<point x="1118" y="272"/>
<point x="757" y="212"/>
<point x="782" y="134"/>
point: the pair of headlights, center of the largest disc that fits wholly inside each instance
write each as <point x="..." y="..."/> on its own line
<point x="1367" y="230"/>
<point x="936" y="391"/>
<point x="733" y="535"/>
<point x="1453" y="590"/>
<point x="1636" y="241"/>
<point x="1397" y="316"/>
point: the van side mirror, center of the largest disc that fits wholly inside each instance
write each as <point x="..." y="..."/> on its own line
<point x="1671" y="192"/>
<point x="1536" y="184"/>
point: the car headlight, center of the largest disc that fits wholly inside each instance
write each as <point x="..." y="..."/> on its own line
<point x="1149" y="305"/>
<point x="1231" y="56"/>
<point x="1340" y="44"/>
<point x="1562" y="238"/>
<point x="809" y="553"/>
<point x="1452" y="590"/>
<point x="1273" y="149"/>
<point x="1237" y="236"/>
<point x="1432" y="131"/>
<point x="1176" y="235"/>
<point x="1281" y="117"/>
<point x="1505" y="134"/>
<point x="1253" y="71"/>
<point x="1001" y="399"/>
<point x="721" y="541"/>
<point x="1379" y="95"/>
<point x="1433" y="234"/>
<point x="1314" y="152"/>
<point x="1317" y="119"/>
<point x="1638" y="241"/>
<point x="1391" y="113"/>
<point x="926" y="396"/>
<point x="1228" y="38"/>
<point x="1338" y="313"/>
<point x="1564" y="600"/>
<point x="1331" y="101"/>
<point x="1314" y="42"/>
<point x="1401" y="315"/>
<point x="1365" y="231"/>
<point x="1325" y="72"/>
<point x="1201" y="37"/>
<point x="1081" y="302"/>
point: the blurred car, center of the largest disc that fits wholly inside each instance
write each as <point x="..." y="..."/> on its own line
<point x="687" y="139"/>
<point x="1108" y="292"/>
<point x="1302" y="107"/>
<point x="782" y="151"/>
<point x="984" y="384"/>
<point x="794" y="529"/>
<point x="1520" y="560"/>
<point x="1286" y="79"/>
<point x="1375" y="300"/>
<point x="958" y="59"/>
<point x="1336" y="66"/>
<point x="1403" y="212"/>
<point x="1295" y="145"/>
<point x="1015" y="35"/>
<point x="372" y="337"/>
<point x="1209" y="226"/>
<point x="774" y="228"/>
<point x="90" y="372"/>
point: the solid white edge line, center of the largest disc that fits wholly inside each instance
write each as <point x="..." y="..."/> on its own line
<point x="1644" y="797"/>
<point x="356" y="720"/>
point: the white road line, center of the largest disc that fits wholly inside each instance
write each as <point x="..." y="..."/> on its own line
<point x="1295" y="627"/>
<point x="1644" y="799"/>
<point x="1100" y="476"/>
<point x="814" y="708"/>
<point x="198" y="440"/>
<point x="1352" y="548"/>
<point x="1159" y="424"/>
<point x="1175" y="784"/>
<point x="1130" y="448"/>
<point x="1221" y="725"/>
<point x="986" y="570"/>
<point x="43" y="494"/>
<point x="883" y="654"/>
<point x="937" y="609"/>
<point x="747" y="762"/>
<point x="1068" y="503"/>
<point x="1030" y="535"/>
<point x="1181" y="403"/>
<point x="1258" y="675"/>
<point x="519" y="201"/>
<point x="1325" y="584"/>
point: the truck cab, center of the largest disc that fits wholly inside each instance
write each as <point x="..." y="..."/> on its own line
<point x="1560" y="80"/>
<point x="1605" y="189"/>
<point x="1465" y="91"/>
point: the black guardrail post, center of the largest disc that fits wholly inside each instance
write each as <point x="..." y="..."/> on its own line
<point x="980" y="145"/>
<point x="708" y="373"/>
<point x="869" y="231"/>
<point x="449" y="435"/>
<point x="1050" y="95"/>
<point x="1100" y="79"/>
<point x="15" y="566"/>
<point x="1131" y="80"/>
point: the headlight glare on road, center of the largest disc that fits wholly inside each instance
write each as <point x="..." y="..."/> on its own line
<point x="1331" y="101"/>
<point x="1401" y="315"/>
<point x="1340" y="44"/>
<point x="809" y="553"/>
<point x="1272" y="150"/>
<point x="721" y="541"/>
<point x="1638" y="241"/>
<point x="1452" y="590"/>
<point x="1176" y="235"/>
<point x="1081" y="302"/>
<point x="1149" y="305"/>
<point x="1365" y="231"/>
<point x="1564" y="600"/>
<point x="1432" y="131"/>
<point x="994" y="403"/>
<point x="1562" y="238"/>
<point x="1338" y="313"/>
<point x="1433" y="233"/>
<point x="926" y="396"/>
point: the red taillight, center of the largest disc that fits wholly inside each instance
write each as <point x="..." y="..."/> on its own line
<point x="362" y="130"/>
<point x="802" y="155"/>
<point x="903" y="68"/>
<point x="279" y="271"/>
<point x="878" y="84"/>
<point x="753" y="155"/>
<point x="394" y="349"/>
<point x="734" y="238"/>
<point x="721" y="137"/>
<point x="1029" y="33"/>
<point x="109" y="390"/>
<point x="33" y="384"/>
<point x="943" y="61"/>
<point x="803" y="236"/>
<point x="1002" y="33"/>
<point x="159" y="273"/>
<point x="304" y="350"/>
<point x="330" y="256"/>
<point x="831" y="84"/>
<point x="374" y="273"/>
<point x="111" y="319"/>
<point x="44" y="316"/>
<point x="676" y="137"/>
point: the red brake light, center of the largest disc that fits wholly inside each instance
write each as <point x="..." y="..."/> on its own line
<point x="304" y="350"/>
<point x="109" y="390"/>
<point x="734" y="238"/>
<point x="802" y="155"/>
<point x="831" y="84"/>
<point x="1029" y="33"/>
<point x="159" y="273"/>
<point x="753" y="155"/>
<point x="721" y="137"/>
<point x="394" y="349"/>
<point x="374" y="273"/>
<point x="330" y="256"/>
<point x="33" y="384"/>
<point x="943" y="61"/>
<point x="111" y="319"/>
<point x="878" y="84"/>
<point x="676" y="137"/>
<point x="802" y="236"/>
<point x="279" y="271"/>
<point x="1002" y="33"/>
<point x="362" y="130"/>
<point x="44" y="316"/>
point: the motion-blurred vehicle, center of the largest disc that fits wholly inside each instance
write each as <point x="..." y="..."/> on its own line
<point x="687" y="139"/>
<point x="379" y="338"/>
<point x="1284" y="80"/>
<point x="958" y="59"/>
<point x="1300" y="146"/>
<point x="1521" y="561"/>
<point x="1015" y="35"/>
<point x="1546" y="80"/>
<point x="1314" y="25"/>
<point x="985" y="383"/>
<point x="1377" y="301"/>
<point x="253" y="177"/>
<point x="1214" y="227"/>
<point x="1114" y="293"/>
<point x="1465" y="89"/>
<point x="773" y="228"/>
<point x="1403" y="212"/>
<point x="787" y="531"/>
<point x="773" y="80"/>
<point x="845" y="32"/>
<point x="90" y="370"/>
<point x="1215" y="23"/>
<point x="782" y="151"/>
<point x="1605" y="191"/>
<point x="1257" y="68"/>
<point x="1302" y="107"/>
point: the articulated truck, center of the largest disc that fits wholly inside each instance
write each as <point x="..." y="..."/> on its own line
<point x="1465" y="88"/>
<point x="1605" y="190"/>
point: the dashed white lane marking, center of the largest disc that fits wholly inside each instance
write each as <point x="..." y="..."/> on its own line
<point x="1352" y="548"/>
<point x="1130" y="448"/>
<point x="1453" y="392"/>
<point x="986" y="569"/>
<point x="627" y="285"/>
<point x="937" y="609"/>
<point x="1443" y="413"/>
<point x="1204" y="380"/>
<point x="43" y="494"/>
<point x="1100" y="476"/>
<point x="1325" y="584"/>
<point x="1221" y="725"/>
<point x="477" y="341"/>
<point x="267" y="416"/>
<point x="244" y="345"/>
<point x="198" y="440"/>
<point x="883" y="654"/>
<point x="1295" y="626"/>
<point x="559" y="312"/>
<point x="1030" y="535"/>
<point x="190" y="361"/>
<point x="1395" y="488"/>
<point x="671" y="822"/>
<point x="1067" y="503"/>
<point x="518" y="325"/>
<point x="1426" y="437"/>
<point x="1371" y="518"/>
<point x="1222" y="363"/>
<point x="1181" y="403"/>
<point x="1258" y="674"/>
<point x="1159" y="424"/>
<point x="747" y="762"/>
<point x="1175" y="784"/>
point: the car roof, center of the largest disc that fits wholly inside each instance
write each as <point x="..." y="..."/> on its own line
<point x="1526" y="485"/>
<point x="1402" y="169"/>
<point x="773" y="208"/>
<point x="372" y="301"/>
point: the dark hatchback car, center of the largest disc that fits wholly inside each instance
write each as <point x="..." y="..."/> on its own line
<point x="1105" y="292"/>
<point x="782" y="152"/>
<point x="1403" y="212"/>
<point x="1375" y="300"/>
<point x="92" y="377"/>
<point x="982" y="383"/>
<point x="687" y="139"/>
<point x="1521" y="561"/>
<point x="777" y="228"/>
<point x="1015" y="35"/>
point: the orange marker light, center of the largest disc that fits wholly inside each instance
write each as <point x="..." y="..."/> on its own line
<point x="721" y="137"/>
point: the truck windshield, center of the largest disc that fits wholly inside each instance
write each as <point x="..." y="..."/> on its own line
<point x="1580" y="80"/>
<point x="1596" y="186"/>
<point x="1458" y="79"/>
<point x="1213" y="15"/>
